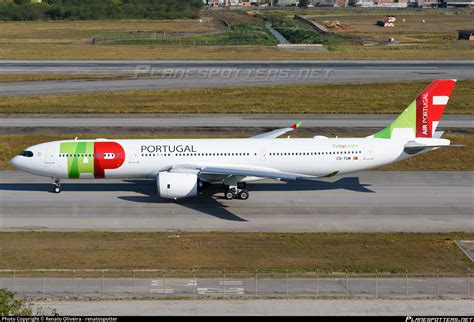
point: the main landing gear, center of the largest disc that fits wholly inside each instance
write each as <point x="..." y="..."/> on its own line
<point x="56" y="185"/>
<point x="236" y="192"/>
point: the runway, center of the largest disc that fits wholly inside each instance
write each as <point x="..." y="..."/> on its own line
<point x="129" y="66"/>
<point x="239" y="121"/>
<point x="370" y="201"/>
<point x="203" y="74"/>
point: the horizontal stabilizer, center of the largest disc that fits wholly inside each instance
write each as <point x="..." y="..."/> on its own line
<point x="413" y="147"/>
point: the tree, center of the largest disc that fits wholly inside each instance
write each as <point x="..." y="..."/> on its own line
<point x="303" y="4"/>
<point x="11" y="306"/>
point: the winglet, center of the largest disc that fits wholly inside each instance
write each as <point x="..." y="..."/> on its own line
<point x="276" y="133"/>
<point x="296" y="125"/>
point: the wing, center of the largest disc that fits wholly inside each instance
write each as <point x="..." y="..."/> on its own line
<point x="274" y="174"/>
<point x="236" y="170"/>
<point x="276" y="133"/>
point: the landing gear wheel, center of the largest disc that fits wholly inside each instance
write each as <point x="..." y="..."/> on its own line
<point x="57" y="189"/>
<point x="229" y="194"/>
<point x="244" y="194"/>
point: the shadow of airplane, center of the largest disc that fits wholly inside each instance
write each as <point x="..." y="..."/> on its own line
<point x="204" y="203"/>
<point x="207" y="202"/>
<point x="348" y="183"/>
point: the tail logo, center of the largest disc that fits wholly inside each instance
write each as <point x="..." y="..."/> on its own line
<point x="425" y="114"/>
<point x="430" y="107"/>
<point x="421" y="118"/>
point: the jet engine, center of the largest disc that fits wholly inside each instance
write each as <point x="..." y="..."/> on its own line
<point x="172" y="185"/>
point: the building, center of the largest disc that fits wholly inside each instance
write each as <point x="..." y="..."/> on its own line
<point x="379" y="3"/>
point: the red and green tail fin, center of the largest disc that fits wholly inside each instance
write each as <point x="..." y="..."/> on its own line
<point x="421" y="117"/>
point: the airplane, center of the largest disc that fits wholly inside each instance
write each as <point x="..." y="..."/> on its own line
<point x="182" y="167"/>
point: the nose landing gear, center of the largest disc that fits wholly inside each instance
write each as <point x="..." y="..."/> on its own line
<point x="56" y="185"/>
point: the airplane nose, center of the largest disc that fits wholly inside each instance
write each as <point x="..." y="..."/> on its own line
<point x="16" y="162"/>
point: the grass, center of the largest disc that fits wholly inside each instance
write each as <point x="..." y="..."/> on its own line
<point x="329" y="252"/>
<point x="454" y="159"/>
<point x="300" y="33"/>
<point x="379" y="98"/>
<point x="245" y="33"/>
<point x="72" y="40"/>
<point x="438" y="32"/>
<point x="436" y="29"/>
<point x="462" y="51"/>
<point x="80" y="32"/>
<point x="238" y="34"/>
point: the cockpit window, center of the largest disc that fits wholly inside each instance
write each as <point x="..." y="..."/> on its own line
<point x="27" y="154"/>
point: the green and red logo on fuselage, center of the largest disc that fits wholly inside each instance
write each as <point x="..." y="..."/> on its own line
<point x="91" y="158"/>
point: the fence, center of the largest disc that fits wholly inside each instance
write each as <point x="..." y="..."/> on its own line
<point x="176" y="38"/>
<point x="166" y="283"/>
<point x="162" y="41"/>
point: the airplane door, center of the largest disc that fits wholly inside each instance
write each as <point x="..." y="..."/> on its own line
<point x="369" y="151"/>
<point x="49" y="157"/>
<point x="134" y="155"/>
<point x="263" y="154"/>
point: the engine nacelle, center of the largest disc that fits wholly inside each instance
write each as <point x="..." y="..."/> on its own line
<point x="177" y="185"/>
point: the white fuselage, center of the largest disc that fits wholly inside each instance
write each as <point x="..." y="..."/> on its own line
<point x="145" y="158"/>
